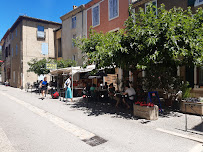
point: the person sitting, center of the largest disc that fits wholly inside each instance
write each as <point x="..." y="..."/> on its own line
<point x="111" y="91"/>
<point x="112" y="94"/>
<point x="93" y="90"/>
<point x="131" y="96"/>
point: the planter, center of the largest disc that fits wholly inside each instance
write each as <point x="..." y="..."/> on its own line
<point x="149" y="113"/>
<point x="196" y="108"/>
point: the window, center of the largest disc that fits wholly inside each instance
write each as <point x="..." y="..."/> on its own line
<point x="40" y="32"/>
<point x="153" y="3"/>
<point x="95" y="16"/>
<point x="16" y="49"/>
<point x="198" y="2"/>
<point x="45" y="50"/>
<point x="40" y="28"/>
<point x="73" y="22"/>
<point x="201" y="76"/>
<point x="16" y="32"/>
<point x="12" y="36"/>
<point x="59" y="48"/>
<point x="74" y="37"/>
<point x="113" y="9"/>
<point x="73" y="57"/>
<point x="12" y="52"/>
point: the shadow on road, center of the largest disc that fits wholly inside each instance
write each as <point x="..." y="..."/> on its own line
<point x="198" y="127"/>
<point x="100" y="108"/>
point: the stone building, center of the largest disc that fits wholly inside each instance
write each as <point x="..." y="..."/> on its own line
<point x="29" y="38"/>
<point x="73" y="26"/>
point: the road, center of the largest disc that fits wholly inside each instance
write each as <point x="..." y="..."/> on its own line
<point x="28" y="124"/>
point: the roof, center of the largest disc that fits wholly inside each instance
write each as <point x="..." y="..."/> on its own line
<point x="73" y="12"/>
<point x="91" y="3"/>
<point x="20" y="18"/>
<point x="5" y="35"/>
<point x="58" y="29"/>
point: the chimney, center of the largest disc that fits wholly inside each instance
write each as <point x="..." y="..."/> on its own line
<point x="74" y="6"/>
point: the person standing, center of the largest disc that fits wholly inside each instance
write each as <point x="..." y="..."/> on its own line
<point x="44" y="87"/>
<point x="67" y="86"/>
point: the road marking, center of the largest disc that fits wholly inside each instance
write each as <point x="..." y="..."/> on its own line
<point x="197" y="148"/>
<point x="180" y="135"/>
<point x="82" y="134"/>
<point x="5" y="144"/>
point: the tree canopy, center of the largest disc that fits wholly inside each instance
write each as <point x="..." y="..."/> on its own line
<point x="173" y="37"/>
<point x="39" y="66"/>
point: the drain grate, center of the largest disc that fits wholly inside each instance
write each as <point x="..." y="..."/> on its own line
<point x="95" y="141"/>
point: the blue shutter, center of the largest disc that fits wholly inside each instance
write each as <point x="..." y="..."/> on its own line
<point x="45" y="49"/>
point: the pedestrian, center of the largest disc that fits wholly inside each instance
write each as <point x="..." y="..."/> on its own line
<point x="44" y="87"/>
<point x="67" y="87"/>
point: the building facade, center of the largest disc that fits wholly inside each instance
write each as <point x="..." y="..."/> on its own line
<point x="30" y="38"/>
<point x="107" y="15"/>
<point x="58" y="43"/>
<point x="73" y="26"/>
<point x="6" y="56"/>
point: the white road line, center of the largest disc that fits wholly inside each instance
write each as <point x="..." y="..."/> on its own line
<point x="5" y="144"/>
<point x="75" y="130"/>
<point x="180" y="135"/>
<point x="197" y="148"/>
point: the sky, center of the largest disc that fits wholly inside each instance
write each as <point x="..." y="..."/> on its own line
<point x="50" y="10"/>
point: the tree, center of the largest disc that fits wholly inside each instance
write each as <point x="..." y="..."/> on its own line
<point x="160" y="41"/>
<point x="39" y="66"/>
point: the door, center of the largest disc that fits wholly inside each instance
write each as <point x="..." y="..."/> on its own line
<point x="189" y="71"/>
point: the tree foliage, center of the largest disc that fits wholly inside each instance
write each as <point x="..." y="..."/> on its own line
<point x="159" y="42"/>
<point x="170" y="37"/>
<point x="39" y="66"/>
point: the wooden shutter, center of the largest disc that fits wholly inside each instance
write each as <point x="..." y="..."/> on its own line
<point x="45" y="49"/>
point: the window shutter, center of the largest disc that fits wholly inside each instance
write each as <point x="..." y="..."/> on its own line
<point x="45" y="49"/>
<point x="115" y="8"/>
<point x="111" y="8"/>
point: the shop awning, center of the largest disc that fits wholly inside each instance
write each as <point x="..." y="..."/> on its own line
<point x="73" y="70"/>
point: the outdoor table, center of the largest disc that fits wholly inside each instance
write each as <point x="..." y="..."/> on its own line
<point x="193" y="110"/>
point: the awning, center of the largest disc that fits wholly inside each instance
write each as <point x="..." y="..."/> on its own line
<point x="72" y="70"/>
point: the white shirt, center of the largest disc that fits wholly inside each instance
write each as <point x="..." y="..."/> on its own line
<point x="67" y="83"/>
<point x="130" y="92"/>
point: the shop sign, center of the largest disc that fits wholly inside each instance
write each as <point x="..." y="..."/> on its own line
<point x="51" y="66"/>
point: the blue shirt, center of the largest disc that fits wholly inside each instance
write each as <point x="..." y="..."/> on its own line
<point x="44" y="83"/>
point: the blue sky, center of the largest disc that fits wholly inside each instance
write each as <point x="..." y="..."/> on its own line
<point x="51" y="10"/>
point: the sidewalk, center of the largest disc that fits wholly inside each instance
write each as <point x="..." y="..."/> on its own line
<point x="173" y="121"/>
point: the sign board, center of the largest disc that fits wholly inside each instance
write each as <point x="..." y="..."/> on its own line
<point x="51" y="66"/>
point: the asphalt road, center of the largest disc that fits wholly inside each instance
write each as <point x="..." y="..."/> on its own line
<point x="28" y="124"/>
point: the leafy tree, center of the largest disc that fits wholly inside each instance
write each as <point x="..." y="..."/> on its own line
<point x="160" y="42"/>
<point x="39" y="66"/>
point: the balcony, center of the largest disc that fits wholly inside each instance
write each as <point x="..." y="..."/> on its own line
<point x="41" y="35"/>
